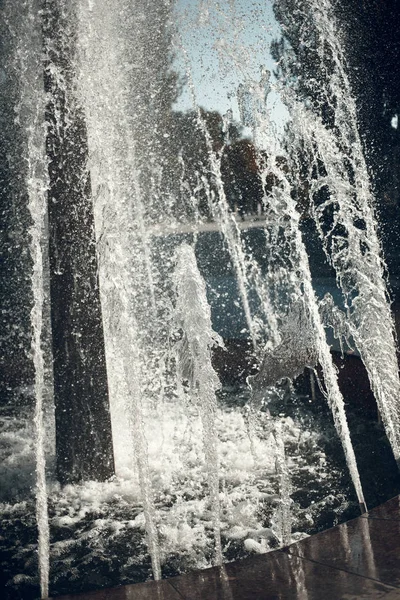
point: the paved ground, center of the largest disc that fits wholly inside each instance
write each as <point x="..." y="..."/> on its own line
<point x="358" y="560"/>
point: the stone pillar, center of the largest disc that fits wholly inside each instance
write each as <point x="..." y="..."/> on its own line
<point x="83" y="425"/>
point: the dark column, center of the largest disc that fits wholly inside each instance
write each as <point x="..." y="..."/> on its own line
<point x="83" y="427"/>
<point x="16" y="367"/>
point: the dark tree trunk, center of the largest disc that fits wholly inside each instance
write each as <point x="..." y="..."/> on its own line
<point x="83" y="427"/>
<point x="16" y="367"/>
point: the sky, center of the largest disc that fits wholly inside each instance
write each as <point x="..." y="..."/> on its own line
<point x="225" y="43"/>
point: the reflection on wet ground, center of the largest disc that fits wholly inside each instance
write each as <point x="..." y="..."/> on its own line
<point x="359" y="559"/>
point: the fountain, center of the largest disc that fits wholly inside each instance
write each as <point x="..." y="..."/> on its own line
<point x="159" y="239"/>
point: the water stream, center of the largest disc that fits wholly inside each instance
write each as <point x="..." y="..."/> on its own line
<point x="193" y="316"/>
<point x="343" y="209"/>
<point x="27" y="68"/>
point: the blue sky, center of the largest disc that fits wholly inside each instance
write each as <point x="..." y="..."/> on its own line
<point x="226" y="43"/>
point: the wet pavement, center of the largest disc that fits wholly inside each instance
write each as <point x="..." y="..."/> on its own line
<point x="359" y="559"/>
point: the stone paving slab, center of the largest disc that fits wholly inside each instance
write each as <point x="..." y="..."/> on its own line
<point x="369" y="547"/>
<point x="275" y="576"/>
<point x="152" y="590"/>
<point x="389" y="511"/>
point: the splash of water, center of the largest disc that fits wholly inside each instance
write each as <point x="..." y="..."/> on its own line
<point x="285" y="488"/>
<point x="246" y="269"/>
<point x="108" y="61"/>
<point x="343" y="209"/>
<point x="128" y="275"/>
<point x="292" y="281"/>
<point x="301" y="279"/>
<point x="135" y="418"/>
<point x="26" y="64"/>
<point x="117" y="129"/>
<point x="193" y="316"/>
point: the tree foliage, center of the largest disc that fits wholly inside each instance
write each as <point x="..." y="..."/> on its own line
<point x="190" y="180"/>
<point x="367" y="32"/>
